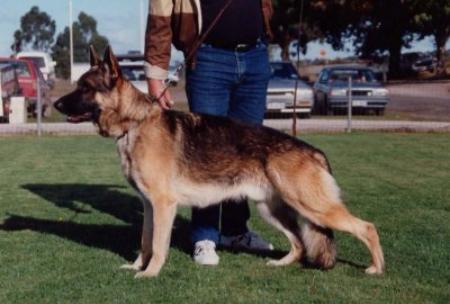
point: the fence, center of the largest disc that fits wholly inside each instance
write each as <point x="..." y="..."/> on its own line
<point x="413" y="105"/>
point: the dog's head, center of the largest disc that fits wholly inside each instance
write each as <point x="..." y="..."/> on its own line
<point x="100" y="95"/>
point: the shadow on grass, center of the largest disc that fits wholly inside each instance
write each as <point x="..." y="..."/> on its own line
<point x="123" y="240"/>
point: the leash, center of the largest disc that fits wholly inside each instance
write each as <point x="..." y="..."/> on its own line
<point x="191" y="54"/>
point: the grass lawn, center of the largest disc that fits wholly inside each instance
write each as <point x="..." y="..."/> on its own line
<point x="68" y="220"/>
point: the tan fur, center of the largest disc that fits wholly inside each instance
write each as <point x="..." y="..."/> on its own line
<point x="160" y="160"/>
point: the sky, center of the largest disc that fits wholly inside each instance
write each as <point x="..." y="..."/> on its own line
<point x="120" y="21"/>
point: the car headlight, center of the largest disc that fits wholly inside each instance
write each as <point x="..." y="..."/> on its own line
<point x="380" y="92"/>
<point x="338" y="92"/>
<point x="304" y="94"/>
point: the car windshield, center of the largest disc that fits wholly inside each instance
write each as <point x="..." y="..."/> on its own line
<point x="22" y="69"/>
<point x="38" y="61"/>
<point x="358" y="75"/>
<point x="283" y="70"/>
<point x="133" y="73"/>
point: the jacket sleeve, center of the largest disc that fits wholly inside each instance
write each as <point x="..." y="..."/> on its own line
<point x="158" y="39"/>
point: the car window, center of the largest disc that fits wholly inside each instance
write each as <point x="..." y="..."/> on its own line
<point x="38" y="61"/>
<point x="324" y="77"/>
<point x="358" y="75"/>
<point x="283" y="70"/>
<point x="22" y="69"/>
<point x="133" y="73"/>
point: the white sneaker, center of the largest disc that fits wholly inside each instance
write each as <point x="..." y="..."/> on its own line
<point x="248" y="241"/>
<point x="205" y="253"/>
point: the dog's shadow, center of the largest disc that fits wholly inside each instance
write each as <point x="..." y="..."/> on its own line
<point x="121" y="239"/>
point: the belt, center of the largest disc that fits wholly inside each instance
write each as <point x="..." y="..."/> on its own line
<point x="240" y="47"/>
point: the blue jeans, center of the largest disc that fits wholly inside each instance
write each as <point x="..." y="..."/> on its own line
<point x="232" y="84"/>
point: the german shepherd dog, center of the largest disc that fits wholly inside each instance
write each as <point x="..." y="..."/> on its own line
<point x="172" y="158"/>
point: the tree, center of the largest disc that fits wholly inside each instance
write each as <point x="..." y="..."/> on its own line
<point x="325" y="20"/>
<point x="387" y="25"/>
<point x="37" y="31"/>
<point x="432" y="17"/>
<point x="375" y="27"/>
<point x="84" y="34"/>
<point x="286" y="25"/>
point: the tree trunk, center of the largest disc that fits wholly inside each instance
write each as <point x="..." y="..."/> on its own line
<point x="441" y="40"/>
<point x="394" y="59"/>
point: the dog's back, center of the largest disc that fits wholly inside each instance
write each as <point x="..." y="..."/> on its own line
<point x="173" y="158"/>
<point x="231" y="157"/>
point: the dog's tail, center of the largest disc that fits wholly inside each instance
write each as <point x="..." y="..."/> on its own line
<point x="320" y="245"/>
<point x="319" y="242"/>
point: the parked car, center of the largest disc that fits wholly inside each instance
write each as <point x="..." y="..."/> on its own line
<point x="134" y="72"/>
<point x="414" y="62"/>
<point x="28" y="75"/>
<point x="9" y="87"/>
<point x="331" y="90"/>
<point x="427" y="63"/>
<point x="281" y="91"/>
<point x="43" y="61"/>
<point x="132" y="65"/>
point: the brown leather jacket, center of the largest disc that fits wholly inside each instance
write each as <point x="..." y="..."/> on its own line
<point x="178" y="22"/>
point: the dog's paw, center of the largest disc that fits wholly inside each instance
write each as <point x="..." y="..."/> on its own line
<point x="373" y="270"/>
<point x="145" y="274"/>
<point x="276" y="263"/>
<point x="133" y="267"/>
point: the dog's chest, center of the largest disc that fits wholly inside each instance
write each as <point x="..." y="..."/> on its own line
<point x="124" y="148"/>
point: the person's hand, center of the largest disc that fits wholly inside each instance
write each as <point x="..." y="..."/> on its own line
<point x="156" y="88"/>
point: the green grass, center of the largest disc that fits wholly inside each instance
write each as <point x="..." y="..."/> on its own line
<point x="68" y="221"/>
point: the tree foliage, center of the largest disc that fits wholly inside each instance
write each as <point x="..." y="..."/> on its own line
<point x="84" y="34"/>
<point x="376" y="27"/>
<point x="37" y="31"/>
<point x="432" y="18"/>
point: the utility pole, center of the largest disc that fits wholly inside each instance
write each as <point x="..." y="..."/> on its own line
<point x="71" y="38"/>
<point x="141" y="25"/>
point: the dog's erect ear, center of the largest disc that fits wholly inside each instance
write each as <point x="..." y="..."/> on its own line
<point x="111" y="62"/>
<point x="93" y="57"/>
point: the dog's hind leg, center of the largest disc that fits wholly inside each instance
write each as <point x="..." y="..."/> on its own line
<point x="283" y="218"/>
<point x="313" y="192"/>
<point x="163" y="216"/>
<point x="146" y="239"/>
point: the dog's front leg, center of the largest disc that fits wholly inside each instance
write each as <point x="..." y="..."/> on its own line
<point x="146" y="239"/>
<point x="163" y="216"/>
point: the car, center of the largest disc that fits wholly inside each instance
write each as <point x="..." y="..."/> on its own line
<point x="9" y="87"/>
<point x="427" y="63"/>
<point x="281" y="92"/>
<point x="331" y="90"/>
<point x="134" y="72"/>
<point x="28" y="74"/>
<point x="43" y="61"/>
<point x="416" y="62"/>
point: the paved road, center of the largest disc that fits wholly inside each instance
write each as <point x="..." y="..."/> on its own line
<point x="420" y="107"/>
<point x="303" y="125"/>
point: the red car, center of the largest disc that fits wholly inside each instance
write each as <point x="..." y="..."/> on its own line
<point x="28" y="75"/>
<point x="9" y="87"/>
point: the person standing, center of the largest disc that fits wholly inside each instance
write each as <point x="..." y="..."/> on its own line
<point x="228" y="76"/>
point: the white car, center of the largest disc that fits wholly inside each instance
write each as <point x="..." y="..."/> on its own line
<point x="134" y="72"/>
<point x="43" y="61"/>
<point x="281" y="92"/>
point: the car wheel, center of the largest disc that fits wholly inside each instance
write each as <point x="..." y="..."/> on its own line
<point x="379" y="112"/>
<point x="326" y="110"/>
